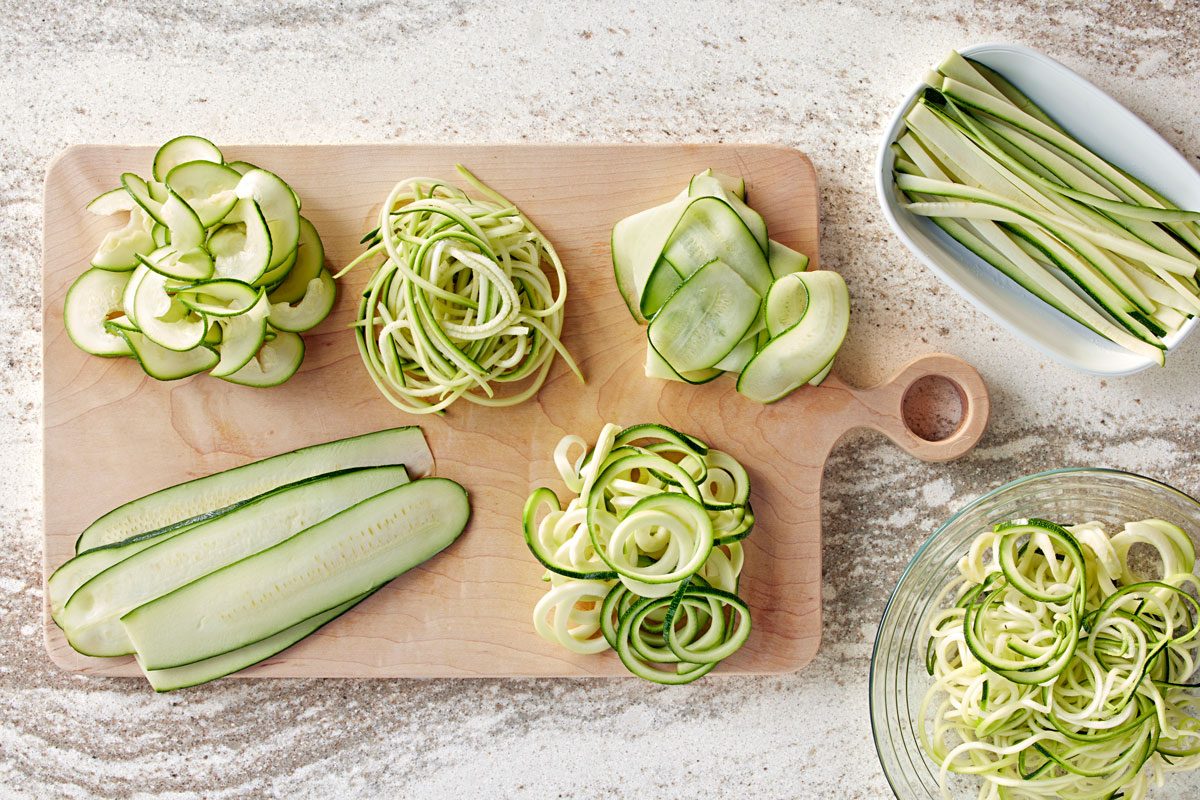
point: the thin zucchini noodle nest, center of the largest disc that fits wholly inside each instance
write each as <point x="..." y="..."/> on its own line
<point x="646" y="557"/>
<point x="1062" y="669"/>
<point x="462" y="300"/>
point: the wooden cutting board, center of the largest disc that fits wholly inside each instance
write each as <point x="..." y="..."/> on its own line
<point x="112" y="434"/>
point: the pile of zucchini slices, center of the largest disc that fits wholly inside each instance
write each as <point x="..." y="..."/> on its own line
<point x="719" y="296"/>
<point x="215" y="270"/>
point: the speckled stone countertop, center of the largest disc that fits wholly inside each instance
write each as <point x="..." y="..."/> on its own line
<point x="819" y="76"/>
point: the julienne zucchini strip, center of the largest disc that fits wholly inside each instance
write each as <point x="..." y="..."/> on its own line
<point x="1001" y="178"/>
<point x="645" y="558"/>
<point x="462" y="302"/>
<point x="1060" y="670"/>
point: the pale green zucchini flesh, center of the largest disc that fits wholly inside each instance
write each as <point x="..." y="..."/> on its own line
<point x="704" y="319"/>
<point x="91" y="617"/>
<point x="196" y="498"/>
<point x="800" y="354"/>
<point x="166" y="680"/>
<point x="316" y="570"/>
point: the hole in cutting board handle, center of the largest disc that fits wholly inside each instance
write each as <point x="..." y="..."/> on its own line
<point x="933" y="408"/>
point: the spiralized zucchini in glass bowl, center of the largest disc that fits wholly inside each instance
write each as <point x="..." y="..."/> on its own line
<point x="1036" y="661"/>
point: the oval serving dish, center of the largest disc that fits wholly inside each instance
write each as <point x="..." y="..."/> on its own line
<point x="1103" y="125"/>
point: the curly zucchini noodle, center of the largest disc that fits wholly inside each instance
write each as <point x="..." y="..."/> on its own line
<point x="462" y="300"/>
<point x="1064" y="665"/>
<point x="645" y="558"/>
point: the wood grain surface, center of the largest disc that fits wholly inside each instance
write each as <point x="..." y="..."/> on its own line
<point x="113" y="434"/>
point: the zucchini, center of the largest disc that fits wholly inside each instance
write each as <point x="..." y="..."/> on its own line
<point x="243" y="247"/>
<point x="91" y="617"/>
<point x="111" y="202"/>
<point x="209" y="669"/>
<point x="181" y="150"/>
<point x="308" y="264"/>
<point x="278" y="206"/>
<point x="655" y="528"/>
<point x="118" y="251"/>
<point x="1017" y="190"/>
<point x="275" y="362"/>
<point x="316" y="570"/>
<point x="196" y="498"/>
<point x="205" y="243"/>
<point x="312" y="309"/>
<point x="91" y="301"/>
<point x="698" y="270"/>
<point x="241" y="339"/>
<point x="207" y="187"/>
<point x="800" y="353"/>
<point x="783" y="260"/>
<point x="219" y="298"/>
<point x="710" y="229"/>
<point x="164" y="364"/>
<point x="704" y="319"/>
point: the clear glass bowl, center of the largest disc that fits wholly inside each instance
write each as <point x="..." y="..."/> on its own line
<point x="898" y="676"/>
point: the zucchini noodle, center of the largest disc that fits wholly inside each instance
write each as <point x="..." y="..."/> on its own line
<point x="1063" y="669"/>
<point x="646" y="557"/>
<point x="462" y="300"/>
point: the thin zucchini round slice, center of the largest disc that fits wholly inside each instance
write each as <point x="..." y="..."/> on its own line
<point x="311" y="311"/>
<point x="188" y="266"/>
<point x="168" y="365"/>
<point x="278" y="206"/>
<point x="210" y="189"/>
<point x="222" y="297"/>
<point x="241" y="339"/>
<point x="164" y="320"/>
<point x="276" y="361"/>
<point x="242" y="248"/>
<point x="310" y="260"/>
<point x="140" y="191"/>
<point x="181" y="150"/>
<point x="118" y="251"/>
<point x="111" y="202"/>
<point x="92" y="299"/>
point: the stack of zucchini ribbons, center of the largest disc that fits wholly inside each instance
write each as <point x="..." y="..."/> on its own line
<point x="720" y="296"/>
<point x="207" y="577"/>
<point x="998" y="175"/>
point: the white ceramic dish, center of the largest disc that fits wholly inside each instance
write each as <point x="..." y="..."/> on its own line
<point x="1106" y="127"/>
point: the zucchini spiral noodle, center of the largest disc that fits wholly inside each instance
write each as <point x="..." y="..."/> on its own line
<point x="462" y="300"/>
<point x="645" y="558"/>
<point x="1061" y="668"/>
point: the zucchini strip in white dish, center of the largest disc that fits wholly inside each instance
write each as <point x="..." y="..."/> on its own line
<point x="998" y="176"/>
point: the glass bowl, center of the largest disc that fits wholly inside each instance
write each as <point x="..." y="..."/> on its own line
<point x="898" y="676"/>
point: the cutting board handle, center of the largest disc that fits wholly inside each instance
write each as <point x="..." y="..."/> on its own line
<point x="882" y="407"/>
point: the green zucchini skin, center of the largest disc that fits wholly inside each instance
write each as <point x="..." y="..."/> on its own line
<point x="91" y="618"/>
<point x="199" y="672"/>
<point x="317" y="569"/>
<point x="193" y="499"/>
